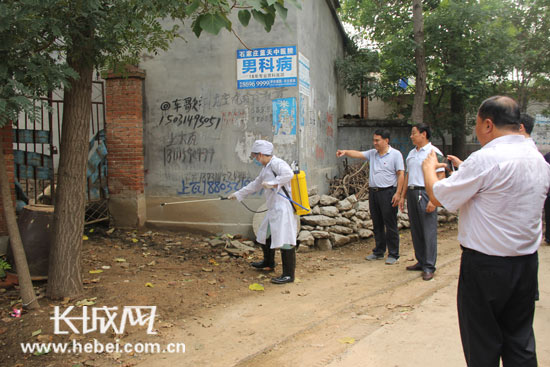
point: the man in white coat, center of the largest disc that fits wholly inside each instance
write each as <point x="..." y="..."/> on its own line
<point x="279" y="222"/>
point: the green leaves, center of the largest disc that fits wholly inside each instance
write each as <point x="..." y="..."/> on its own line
<point x="281" y="10"/>
<point x="265" y="19"/>
<point x="359" y="72"/>
<point x="216" y="18"/>
<point x="213" y="23"/>
<point x="191" y="8"/>
<point x="244" y="17"/>
<point x="256" y="4"/>
<point x="471" y="47"/>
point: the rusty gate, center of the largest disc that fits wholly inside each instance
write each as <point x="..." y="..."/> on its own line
<point x="36" y="147"/>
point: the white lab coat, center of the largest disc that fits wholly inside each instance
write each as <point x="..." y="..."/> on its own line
<point x="280" y="215"/>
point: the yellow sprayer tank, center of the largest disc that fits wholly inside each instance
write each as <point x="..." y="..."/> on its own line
<point x="299" y="192"/>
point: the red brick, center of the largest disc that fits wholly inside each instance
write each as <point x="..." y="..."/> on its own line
<point x="124" y="130"/>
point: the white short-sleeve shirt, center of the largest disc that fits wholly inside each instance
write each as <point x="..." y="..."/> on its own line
<point x="500" y="191"/>
<point x="414" y="164"/>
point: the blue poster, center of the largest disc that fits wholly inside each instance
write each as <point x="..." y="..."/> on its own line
<point x="284" y="116"/>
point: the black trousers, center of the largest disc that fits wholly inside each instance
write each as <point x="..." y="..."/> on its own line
<point x="423" y="229"/>
<point x="384" y="222"/>
<point x="496" y="307"/>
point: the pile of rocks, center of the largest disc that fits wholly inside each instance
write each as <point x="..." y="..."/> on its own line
<point x="334" y="222"/>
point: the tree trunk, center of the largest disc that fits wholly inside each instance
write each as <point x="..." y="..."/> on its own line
<point x="65" y="270"/>
<point x="443" y="141"/>
<point x="523" y="93"/>
<point x="27" y="291"/>
<point x="417" y="115"/>
<point x="458" y="113"/>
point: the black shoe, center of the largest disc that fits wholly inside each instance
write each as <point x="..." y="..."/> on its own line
<point x="427" y="275"/>
<point x="262" y="265"/>
<point x="282" y="279"/>
<point x="268" y="263"/>
<point x="289" y="267"/>
<point x="415" y="267"/>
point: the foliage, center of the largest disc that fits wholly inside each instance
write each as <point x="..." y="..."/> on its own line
<point x="530" y="52"/>
<point x="29" y="65"/>
<point x="37" y="35"/>
<point x="472" y="49"/>
<point x="4" y="265"/>
<point x="358" y="73"/>
<point x="463" y="40"/>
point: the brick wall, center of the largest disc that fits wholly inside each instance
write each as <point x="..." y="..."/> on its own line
<point x="6" y="137"/>
<point x="124" y="131"/>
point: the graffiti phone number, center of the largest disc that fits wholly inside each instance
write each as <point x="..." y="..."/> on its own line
<point x="211" y="187"/>
<point x="195" y="121"/>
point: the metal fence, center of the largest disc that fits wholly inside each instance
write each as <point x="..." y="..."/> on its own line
<point x="36" y="147"/>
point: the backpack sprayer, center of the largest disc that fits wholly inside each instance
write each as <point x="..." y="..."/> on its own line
<point x="298" y="185"/>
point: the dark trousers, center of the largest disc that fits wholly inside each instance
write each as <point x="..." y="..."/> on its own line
<point x="496" y="306"/>
<point x="423" y="229"/>
<point x="384" y="222"/>
<point x="547" y="218"/>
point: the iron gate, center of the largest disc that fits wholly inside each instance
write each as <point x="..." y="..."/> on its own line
<point x="35" y="145"/>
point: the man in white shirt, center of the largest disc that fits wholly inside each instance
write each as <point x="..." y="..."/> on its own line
<point x="500" y="191"/>
<point x="422" y="212"/>
<point x="385" y="173"/>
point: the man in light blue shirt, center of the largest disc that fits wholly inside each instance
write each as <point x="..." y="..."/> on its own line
<point x="422" y="212"/>
<point x="386" y="177"/>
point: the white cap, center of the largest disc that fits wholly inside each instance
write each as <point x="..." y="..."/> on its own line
<point x="262" y="146"/>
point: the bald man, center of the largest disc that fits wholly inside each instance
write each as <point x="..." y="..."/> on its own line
<point x="500" y="230"/>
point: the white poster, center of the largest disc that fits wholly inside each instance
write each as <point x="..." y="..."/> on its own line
<point x="303" y="72"/>
<point x="271" y="67"/>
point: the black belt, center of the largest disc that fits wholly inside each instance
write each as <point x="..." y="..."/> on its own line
<point x="376" y="189"/>
<point x="417" y="188"/>
<point x="474" y="252"/>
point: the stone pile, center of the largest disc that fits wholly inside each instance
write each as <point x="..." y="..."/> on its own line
<point x="334" y="222"/>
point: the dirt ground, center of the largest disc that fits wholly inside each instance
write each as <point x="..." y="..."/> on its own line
<point x="341" y="311"/>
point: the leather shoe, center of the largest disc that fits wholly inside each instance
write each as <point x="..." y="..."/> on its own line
<point x="283" y="279"/>
<point x="426" y="275"/>
<point x="415" y="267"/>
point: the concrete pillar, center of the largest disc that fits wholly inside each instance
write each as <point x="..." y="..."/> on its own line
<point x="7" y="143"/>
<point x="124" y="140"/>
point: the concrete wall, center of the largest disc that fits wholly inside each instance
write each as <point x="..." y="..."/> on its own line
<point x="196" y="80"/>
<point x="541" y="131"/>
<point x="320" y="40"/>
<point x="378" y="110"/>
<point x="357" y="135"/>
